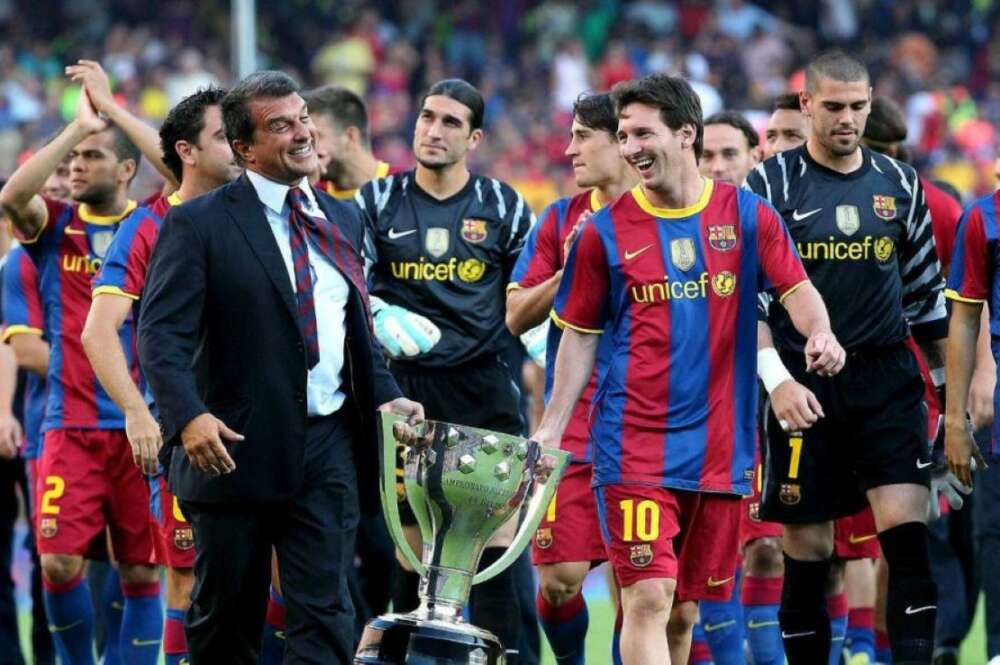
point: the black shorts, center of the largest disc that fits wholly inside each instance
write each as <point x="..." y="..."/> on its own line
<point x="480" y="393"/>
<point x="874" y="434"/>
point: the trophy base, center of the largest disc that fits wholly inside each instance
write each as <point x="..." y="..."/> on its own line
<point x="403" y="639"/>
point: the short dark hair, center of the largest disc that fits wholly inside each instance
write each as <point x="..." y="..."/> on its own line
<point x="184" y="123"/>
<point x="672" y="95"/>
<point x="596" y="111"/>
<point x="345" y="107"/>
<point x="835" y="65"/>
<point x="736" y="121"/>
<point x="886" y="122"/>
<point x="788" y="101"/>
<point x="462" y="92"/>
<point x="236" y="117"/>
<point x="123" y="147"/>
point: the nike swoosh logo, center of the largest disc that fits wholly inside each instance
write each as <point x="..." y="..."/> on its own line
<point x="789" y="636"/>
<point x="911" y="610"/>
<point x="58" y="629"/>
<point x="279" y="635"/>
<point x="752" y="625"/>
<point x="712" y="627"/>
<point x="631" y="255"/>
<point x="854" y="540"/>
<point x="393" y="233"/>
<point x="136" y="642"/>
<point x="715" y="583"/>
<point x="923" y="465"/>
<point x="799" y="217"/>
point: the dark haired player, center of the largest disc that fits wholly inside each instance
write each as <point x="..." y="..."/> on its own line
<point x="787" y="127"/>
<point x="443" y="243"/>
<point x="568" y="543"/>
<point x="732" y="148"/>
<point x="670" y="273"/>
<point x="862" y="228"/>
<point x="194" y="148"/>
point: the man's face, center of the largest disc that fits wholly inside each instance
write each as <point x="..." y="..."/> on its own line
<point x="214" y="158"/>
<point x="727" y="155"/>
<point x="838" y="111"/>
<point x="283" y="147"/>
<point x="786" y="129"/>
<point x="443" y="135"/>
<point x="95" y="173"/>
<point x="595" y="155"/>
<point x="56" y="186"/>
<point x="331" y="145"/>
<point x="649" y="146"/>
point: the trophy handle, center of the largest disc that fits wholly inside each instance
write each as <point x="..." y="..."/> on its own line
<point x="537" y="506"/>
<point x="387" y="492"/>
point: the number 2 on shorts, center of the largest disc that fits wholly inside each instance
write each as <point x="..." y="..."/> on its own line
<point x="642" y="520"/>
<point x="54" y="488"/>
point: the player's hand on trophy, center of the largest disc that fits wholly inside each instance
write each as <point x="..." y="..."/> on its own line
<point x="401" y="332"/>
<point x="145" y="437"/>
<point x="202" y="439"/>
<point x="824" y="354"/>
<point x="795" y="406"/>
<point x="95" y="81"/>
<point x="535" y="341"/>
<point x="544" y="467"/>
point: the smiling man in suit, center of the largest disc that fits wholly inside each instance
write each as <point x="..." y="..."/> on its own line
<point x="255" y="337"/>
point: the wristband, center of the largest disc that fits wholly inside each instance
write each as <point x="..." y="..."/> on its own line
<point x="770" y="369"/>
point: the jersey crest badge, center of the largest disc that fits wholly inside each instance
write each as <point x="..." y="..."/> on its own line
<point x="724" y="284"/>
<point x="184" y="538"/>
<point x="640" y="555"/>
<point x="474" y="230"/>
<point x="884" y="206"/>
<point x="100" y="241"/>
<point x="436" y="241"/>
<point x="682" y="253"/>
<point x="848" y="219"/>
<point x="543" y="539"/>
<point x="722" y="237"/>
<point x="48" y="527"/>
<point x="790" y="494"/>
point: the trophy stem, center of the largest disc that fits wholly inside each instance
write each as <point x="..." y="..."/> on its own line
<point x="444" y="592"/>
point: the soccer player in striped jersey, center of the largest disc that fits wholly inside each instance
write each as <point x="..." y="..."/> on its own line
<point x="670" y="272"/>
<point x="861" y="225"/>
<point x="568" y="543"/>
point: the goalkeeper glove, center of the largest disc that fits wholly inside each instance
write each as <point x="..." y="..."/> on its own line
<point x="534" y="342"/>
<point x="403" y="333"/>
<point x="944" y="482"/>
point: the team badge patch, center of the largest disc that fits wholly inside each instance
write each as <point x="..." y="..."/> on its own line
<point x="682" y="253"/>
<point x="474" y="230"/>
<point x="848" y="219"/>
<point x="543" y="538"/>
<point x="100" y="241"/>
<point x="48" y="527"/>
<point x="724" y="284"/>
<point x="471" y="270"/>
<point x="883" y="249"/>
<point x="791" y="493"/>
<point x="184" y="538"/>
<point x="884" y="206"/>
<point x="722" y="237"/>
<point x="640" y="555"/>
<point x="436" y="241"/>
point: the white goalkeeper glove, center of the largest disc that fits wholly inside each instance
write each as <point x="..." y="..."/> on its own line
<point x="401" y="332"/>
<point x="944" y="482"/>
<point x="534" y="342"/>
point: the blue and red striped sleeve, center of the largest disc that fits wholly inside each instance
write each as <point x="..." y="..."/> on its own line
<point x="973" y="259"/>
<point x="126" y="263"/>
<point x="582" y="301"/>
<point x="776" y="253"/>
<point x="22" y="302"/>
<point x="539" y="259"/>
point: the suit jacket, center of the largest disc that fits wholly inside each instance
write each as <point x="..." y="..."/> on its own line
<point x="218" y="333"/>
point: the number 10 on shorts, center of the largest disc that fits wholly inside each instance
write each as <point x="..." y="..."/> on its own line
<point x="640" y="520"/>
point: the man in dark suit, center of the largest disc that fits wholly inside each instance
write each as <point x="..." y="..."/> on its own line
<point x="255" y="337"/>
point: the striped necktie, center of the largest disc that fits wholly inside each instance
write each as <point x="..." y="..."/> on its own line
<point x="298" y="222"/>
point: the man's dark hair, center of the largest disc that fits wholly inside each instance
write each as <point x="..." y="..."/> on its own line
<point x="462" y="92"/>
<point x="834" y="65"/>
<point x="597" y="111"/>
<point x="672" y="95"/>
<point x="236" y="116"/>
<point x="886" y="122"/>
<point x="788" y="101"/>
<point x="123" y="147"/>
<point x="736" y="121"/>
<point x="342" y="105"/>
<point x="184" y="123"/>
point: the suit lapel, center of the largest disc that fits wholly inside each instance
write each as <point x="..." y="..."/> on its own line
<point x="248" y="214"/>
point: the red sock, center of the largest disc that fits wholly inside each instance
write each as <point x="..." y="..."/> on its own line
<point x="276" y="612"/>
<point x="861" y="617"/>
<point x="174" y="640"/>
<point x="761" y="590"/>
<point x="563" y="613"/>
<point x="881" y="640"/>
<point x="836" y="606"/>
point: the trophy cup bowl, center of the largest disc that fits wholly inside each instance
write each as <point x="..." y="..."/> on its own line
<point x="463" y="484"/>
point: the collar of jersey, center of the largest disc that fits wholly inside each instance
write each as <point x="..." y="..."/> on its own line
<point x="175" y="199"/>
<point x="105" y="220"/>
<point x="675" y="213"/>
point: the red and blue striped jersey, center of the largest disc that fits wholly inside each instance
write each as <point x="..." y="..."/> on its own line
<point x="676" y="290"/>
<point x="124" y="269"/>
<point x="22" y="315"/>
<point x="68" y="251"/>
<point x="973" y="274"/>
<point x="541" y="258"/>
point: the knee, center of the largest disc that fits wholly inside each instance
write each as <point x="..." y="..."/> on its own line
<point x="809" y="542"/>
<point x="557" y="590"/>
<point x="683" y="616"/>
<point x="139" y="574"/>
<point x="763" y="558"/>
<point x="648" y="601"/>
<point x="61" y="568"/>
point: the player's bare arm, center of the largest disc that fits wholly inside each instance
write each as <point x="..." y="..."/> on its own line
<point x="824" y="354"/>
<point x="529" y="307"/>
<point x="959" y="447"/>
<point x="574" y="365"/>
<point x="95" y="81"/>
<point x="31" y="351"/>
<point x="984" y="377"/>
<point x="795" y="406"/>
<point x="104" y="350"/>
<point x="10" y="429"/>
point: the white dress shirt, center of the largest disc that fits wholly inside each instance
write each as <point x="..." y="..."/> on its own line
<point x="323" y="389"/>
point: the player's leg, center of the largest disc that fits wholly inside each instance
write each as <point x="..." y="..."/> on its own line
<point x="761" y="595"/>
<point x="700" y="654"/>
<point x="883" y="652"/>
<point x="173" y="540"/>
<point x="805" y="623"/>
<point x="722" y="622"/>
<point x="646" y="608"/>
<point x="272" y="648"/>
<point x="680" y="626"/>
<point x="180" y="582"/>
<point x="836" y="608"/>
<point x="860" y="585"/>
<point x="562" y="610"/>
<point x="987" y="536"/>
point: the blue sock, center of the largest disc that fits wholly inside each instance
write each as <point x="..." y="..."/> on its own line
<point x="71" y="620"/>
<point x="700" y="653"/>
<point x="112" y="604"/>
<point x="142" y="624"/>
<point x="174" y="641"/>
<point x="272" y="650"/>
<point x="860" y="633"/>
<point x="722" y="622"/>
<point x="565" y="627"/>
<point x="883" y="651"/>
<point x="837" y="608"/>
<point x="761" y="601"/>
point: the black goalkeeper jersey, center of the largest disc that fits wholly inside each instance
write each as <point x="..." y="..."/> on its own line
<point x="865" y="240"/>
<point x="449" y="260"/>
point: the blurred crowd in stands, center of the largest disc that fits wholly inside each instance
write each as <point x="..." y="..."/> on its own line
<point x="530" y="58"/>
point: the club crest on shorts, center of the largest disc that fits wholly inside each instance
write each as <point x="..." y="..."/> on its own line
<point x="724" y="283"/>
<point x="100" y="241"/>
<point x="640" y="555"/>
<point x="436" y="241"/>
<point x="682" y="253"/>
<point x="184" y="538"/>
<point x="722" y="237"/>
<point x="753" y="511"/>
<point x="474" y="230"/>
<point x="471" y="270"/>
<point x="848" y="219"/>
<point x="884" y="206"/>
<point x="48" y="527"/>
<point x="791" y="493"/>
<point x="543" y="538"/>
<point x="883" y="249"/>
